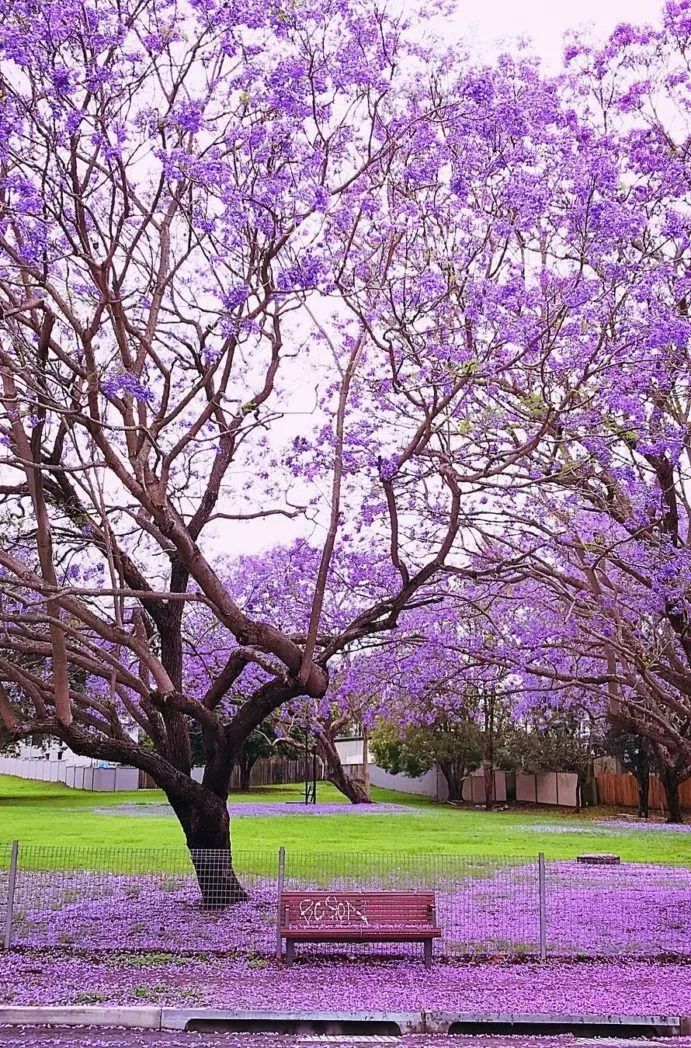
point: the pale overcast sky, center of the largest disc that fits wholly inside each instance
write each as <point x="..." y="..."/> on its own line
<point x="482" y="23"/>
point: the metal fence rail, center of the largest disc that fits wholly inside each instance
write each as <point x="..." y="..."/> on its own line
<point x="117" y="899"/>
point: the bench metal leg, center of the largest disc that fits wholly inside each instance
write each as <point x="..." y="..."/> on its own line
<point x="428" y="953"/>
<point x="290" y="952"/>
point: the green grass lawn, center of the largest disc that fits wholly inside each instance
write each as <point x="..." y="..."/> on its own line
<point x="39" y="813"/>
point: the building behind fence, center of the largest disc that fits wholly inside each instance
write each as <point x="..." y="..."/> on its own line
<point x="121" y="899"/>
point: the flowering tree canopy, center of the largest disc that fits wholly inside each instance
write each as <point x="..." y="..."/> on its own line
<point x="279" y="264"/>
<point x="592" y="607"/>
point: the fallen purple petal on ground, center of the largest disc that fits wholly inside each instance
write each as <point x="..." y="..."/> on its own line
<point x="623" y="987"/>
<point x="644" y="824"/>
<point x="259" y="809"/>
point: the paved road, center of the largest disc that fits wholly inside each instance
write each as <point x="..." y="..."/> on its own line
<point x="82" y="1037"/>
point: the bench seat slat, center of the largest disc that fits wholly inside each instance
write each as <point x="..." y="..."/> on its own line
<point x="348" y="934"/>
<point x="403" y="897"/>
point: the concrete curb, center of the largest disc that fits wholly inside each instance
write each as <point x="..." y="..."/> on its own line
<point x="152" y="1018"/>
<point x="550" y="1023"/>
<point x="326" y="1022"/>
<point x="72" y="1015"/>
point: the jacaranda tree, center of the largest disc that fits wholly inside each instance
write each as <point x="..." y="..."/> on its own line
<point x="590" y="605"/>
<point x="274" y="263"/>
<point x="212" y="296"/>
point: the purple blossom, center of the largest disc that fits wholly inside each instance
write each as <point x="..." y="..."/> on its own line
<point x="61" y="81"/>
<point x="127" y="383"/>
<point x="189" y="116"/>
<point x="235" y="296"/>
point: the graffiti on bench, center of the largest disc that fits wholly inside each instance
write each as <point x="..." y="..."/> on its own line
<point x="331" y="910"/>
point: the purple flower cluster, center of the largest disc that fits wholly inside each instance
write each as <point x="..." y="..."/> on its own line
<point x="114" y="385"/>
<point x="30" y="1037"/>
<point x="84" y="909"/>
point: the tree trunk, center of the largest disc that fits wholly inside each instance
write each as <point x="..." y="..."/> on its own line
<point x="245" y="765"/>
<point x="206" y="825"/>
<point x="671" y="783"/>
<point x="354" y="789"/>
<point x="365" y="761"/>
<point x="585" y="787"/>
<point x="643" y="780"/>
<point x="488" y="763"/>
<point x="641" y="771"/>
<point x="488" y="771"/>
<point x="454" y="781"/>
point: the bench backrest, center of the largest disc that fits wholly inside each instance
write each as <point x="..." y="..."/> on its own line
<point x="337" y="909"/>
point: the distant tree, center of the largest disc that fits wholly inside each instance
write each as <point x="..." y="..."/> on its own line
<point x="556" y="741"/>
<point x="672" y="768"/>
<point x="326" y="731"/>
<point x="643" y="757"/>
<point x="8" y="747"/>
<point x="260" y="744"/>
<point x="634" y="753"/>
<point x="454" y="744"/>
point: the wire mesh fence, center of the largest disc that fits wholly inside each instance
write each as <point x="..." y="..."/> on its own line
<point x="483" y="905"/>
<point x="116" y="899"/>
<point x="625" y="909"/>
<point x="140" y="899"/>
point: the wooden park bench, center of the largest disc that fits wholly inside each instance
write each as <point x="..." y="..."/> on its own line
<point x="377" y="916"/>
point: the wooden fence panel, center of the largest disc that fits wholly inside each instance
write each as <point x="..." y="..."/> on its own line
<point x="268" y="771"/>
<point x="621" y="791"/>
<point x="276" y="771"/>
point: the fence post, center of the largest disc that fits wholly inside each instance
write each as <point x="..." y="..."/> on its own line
<point x="11" y="883"/>
<point x="281" y="879"/>
<point x="542" y="890"/>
